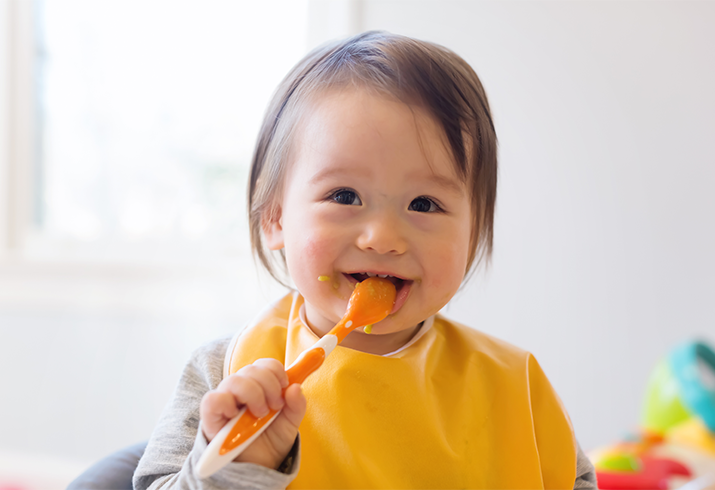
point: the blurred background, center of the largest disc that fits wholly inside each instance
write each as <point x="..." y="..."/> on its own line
<point x="126" y="130"/>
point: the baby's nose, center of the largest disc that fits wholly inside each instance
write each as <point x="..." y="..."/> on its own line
<point x="384" y="234"/>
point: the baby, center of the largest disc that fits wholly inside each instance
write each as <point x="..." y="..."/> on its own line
<point x="377" y="156"/>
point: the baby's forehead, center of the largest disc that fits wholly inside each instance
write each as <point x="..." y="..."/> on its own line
<point x="347" y="121"/>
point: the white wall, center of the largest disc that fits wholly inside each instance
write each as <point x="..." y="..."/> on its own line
<point x="605" y="231"/>
<point x="90" y="354"/>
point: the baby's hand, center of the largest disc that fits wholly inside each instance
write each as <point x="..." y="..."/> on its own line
<point x="257" y="386"/>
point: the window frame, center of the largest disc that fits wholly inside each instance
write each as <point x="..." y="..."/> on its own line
<point x="17" y="145"/>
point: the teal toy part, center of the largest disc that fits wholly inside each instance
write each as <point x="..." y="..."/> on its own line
<point x="664" y="406"/>
<point x="693" y="366"/>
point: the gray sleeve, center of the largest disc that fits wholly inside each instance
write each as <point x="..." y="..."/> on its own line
<point x="177" y="443"/>
<point x="585" y="473"/>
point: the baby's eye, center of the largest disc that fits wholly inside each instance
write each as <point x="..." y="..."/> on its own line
<point x="346" y="196"/>
<point x="424" y="205"/>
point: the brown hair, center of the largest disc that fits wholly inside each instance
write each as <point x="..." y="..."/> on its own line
<point x="415" y="72"/>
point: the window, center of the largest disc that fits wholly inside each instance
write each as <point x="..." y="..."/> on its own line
<point x="145" y="116"/>
<point x="125" y="133"/>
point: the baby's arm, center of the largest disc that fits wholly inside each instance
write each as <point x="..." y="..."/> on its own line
<point x="177" y="442"/>
<point x="585" y="473"/>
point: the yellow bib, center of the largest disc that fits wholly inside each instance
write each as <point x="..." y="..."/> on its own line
<point x="456" y="409"/>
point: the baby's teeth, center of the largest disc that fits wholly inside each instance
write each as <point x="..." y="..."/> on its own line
<point x="370" y="274"/>
<point x="382" y="275"/>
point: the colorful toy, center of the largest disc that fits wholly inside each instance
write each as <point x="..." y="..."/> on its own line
<point x="370" y="302"/>
<point x="682" y="387"/>
<point x="677" y="441"/>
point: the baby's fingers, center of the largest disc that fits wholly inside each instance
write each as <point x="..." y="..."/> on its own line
<point x="276" y="368"/>
<point x="246" y="391"/>
<point x="283" y="431"/>
<point x="295" y="405"/>
<point x="216" y="409"/>
<point x="269" y="383"/>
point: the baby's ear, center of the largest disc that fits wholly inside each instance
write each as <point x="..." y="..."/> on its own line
<point x="271" y="224"/>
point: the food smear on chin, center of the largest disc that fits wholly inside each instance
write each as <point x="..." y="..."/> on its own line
<point x="368" y="329"/>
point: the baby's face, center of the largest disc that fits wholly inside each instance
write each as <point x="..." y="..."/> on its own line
<point x="372" y="189"/>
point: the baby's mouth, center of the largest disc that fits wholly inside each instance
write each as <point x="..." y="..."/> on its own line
<point x="402" y="286"/>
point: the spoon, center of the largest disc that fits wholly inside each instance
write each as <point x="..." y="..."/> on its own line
<point x="371" y="302"/>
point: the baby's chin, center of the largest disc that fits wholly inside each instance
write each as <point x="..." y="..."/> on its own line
<point x="322" y="320"/>
<point x="395" y="323"/>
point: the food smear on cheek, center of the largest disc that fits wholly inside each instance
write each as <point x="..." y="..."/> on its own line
<point x="335" y="284"/>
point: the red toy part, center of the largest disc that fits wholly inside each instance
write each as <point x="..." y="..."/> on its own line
<point x="653" y="476"/>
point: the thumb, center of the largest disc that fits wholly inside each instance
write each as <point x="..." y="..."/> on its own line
<point x="294" y="409"/>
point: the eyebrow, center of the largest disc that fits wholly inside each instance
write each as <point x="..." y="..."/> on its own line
<point x="447" y="183"/>
<point x="339" y="171"/>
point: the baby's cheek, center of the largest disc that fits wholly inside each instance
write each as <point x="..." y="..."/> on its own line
<point x="448" y="266"/>
<point x="312" y="258"/>
<point x="312" y="249"/>
<point x="317" y="249"/>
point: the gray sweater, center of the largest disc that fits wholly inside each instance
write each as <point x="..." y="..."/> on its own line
<point x="177" y="441"/>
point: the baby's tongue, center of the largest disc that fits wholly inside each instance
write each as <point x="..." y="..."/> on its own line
<point x="403" y="291"/>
